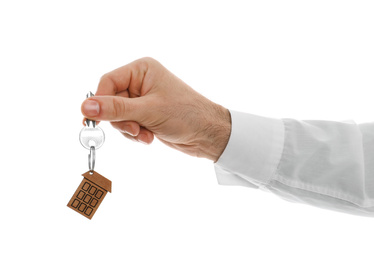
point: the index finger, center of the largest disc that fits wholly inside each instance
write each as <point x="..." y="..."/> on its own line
<point x="128" y="78"/>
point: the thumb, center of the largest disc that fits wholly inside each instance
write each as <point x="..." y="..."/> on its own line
<point x="112" y="108"/>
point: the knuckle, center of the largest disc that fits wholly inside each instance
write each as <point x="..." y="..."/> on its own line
<point x="118" y="108"/>
<point x="147" y="61"/>
<point x="105" y="79"/>
<point x="104" y="76"/>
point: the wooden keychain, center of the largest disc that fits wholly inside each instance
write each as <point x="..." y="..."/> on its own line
<point x="93" y="188"/>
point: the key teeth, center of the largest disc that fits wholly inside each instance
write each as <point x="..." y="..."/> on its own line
<point x="88" y="123"/>
<point x="89" y="94"/>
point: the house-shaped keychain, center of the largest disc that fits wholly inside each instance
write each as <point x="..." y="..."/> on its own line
<point x="90" y="193"/>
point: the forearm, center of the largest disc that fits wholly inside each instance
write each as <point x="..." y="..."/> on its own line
<point x="322" y="163"/>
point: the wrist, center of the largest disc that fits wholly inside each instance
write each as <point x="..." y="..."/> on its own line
<point x="216" y="134"/>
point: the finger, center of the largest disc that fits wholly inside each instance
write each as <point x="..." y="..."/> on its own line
<point x="128" y="77"/>
<point x="113" y="108"/>
<point x="129" y="137"/>
<point x="129" y="127"/>
<point x="145" y="136"/>
<point x="121" y="94"/>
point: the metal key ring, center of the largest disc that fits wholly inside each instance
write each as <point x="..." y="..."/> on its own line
<point x="91" y="159"/>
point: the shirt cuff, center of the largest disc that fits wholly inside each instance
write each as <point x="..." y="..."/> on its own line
<point x="253" y="152"/>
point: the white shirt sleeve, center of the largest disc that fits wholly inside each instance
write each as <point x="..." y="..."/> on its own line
<point x="322" y="163"/>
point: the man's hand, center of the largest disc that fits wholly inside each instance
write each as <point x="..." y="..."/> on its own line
<point x="143" y="99"/>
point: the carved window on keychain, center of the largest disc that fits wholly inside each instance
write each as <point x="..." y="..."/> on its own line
<point x="90" y="193"/>
<point x="93" y="188"/>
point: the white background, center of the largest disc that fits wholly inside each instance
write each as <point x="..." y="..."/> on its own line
<point x="297" y="59"/>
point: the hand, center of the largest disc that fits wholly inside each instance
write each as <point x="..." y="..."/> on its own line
<point x="143" y="99"/>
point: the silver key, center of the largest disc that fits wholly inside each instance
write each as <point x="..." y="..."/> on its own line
<point x="91" y="135"/>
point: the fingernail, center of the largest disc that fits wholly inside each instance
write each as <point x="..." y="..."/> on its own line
<point x="128" y="130"/>
<point x="141" y="138"/>
<point x="125" y="130"/>
<point x="90" y="108"/>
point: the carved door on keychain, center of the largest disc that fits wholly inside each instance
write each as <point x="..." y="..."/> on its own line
<point x="90" y="193"/>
